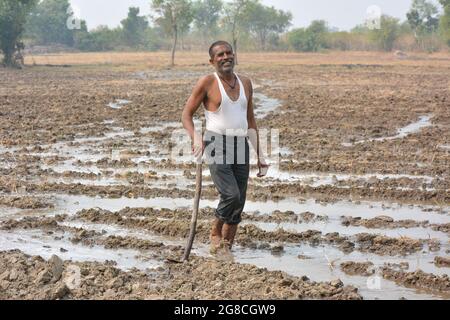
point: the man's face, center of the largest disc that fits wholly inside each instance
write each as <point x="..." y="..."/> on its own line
<point x="223" y="59"/>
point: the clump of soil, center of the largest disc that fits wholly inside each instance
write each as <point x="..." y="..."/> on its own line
<point x="418" y="279"/>
<point x="113" y="242"/>
<point x="385" y="222"/>
<point x="309" y="217"/>
<point x="358" y="268"/>
<point x="248" y="235"/>
<point x="208" y="214"/>
<point x="92" y="237"/>
<point x="117" y="191"/>
<point x="381" y="222"/>
<point x="234" y="281"/>
<point x="26" y="277"/>
<point x="442" y="262"/>
<point x="441" y="227"/>
<point x="401" y="265"/>
<point x="303" y="257"/>
<point x="342" y="242"/>
<point x="25" y="202"/>
<point x="278" y="216"/>
<point x="275" y="217"/>
<point x="434" y="245"/>
<point x="85" y="237"/>
<point x="45" y="223"/>
<point x="251" y="233"/>
<point x="383" y="245"/>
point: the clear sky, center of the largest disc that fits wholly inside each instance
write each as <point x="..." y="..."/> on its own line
<point x="343" y="14"/>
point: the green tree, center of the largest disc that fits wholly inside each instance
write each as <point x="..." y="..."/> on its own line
<point x="100" y="39"/>
<point x="444" y="25"/>
<point x="82" y="38"/>
<point x="47" y="22"/>
<point x="311" y="39"/>
<point x="360" y="29"/>
<point x="206" y="17"/>
<point x="13" y="17"/>
<point x="265" y="21"/>
<point x="424" y="20"/>
<point x="386" y="35"/>
<point x="174" y="17"/>
<point x="184" y="24"/>
<point x="297" y="39"/>
<point x="235" y="20"/>
<point x="134" y="28"/>
<point x="153" y="39"/>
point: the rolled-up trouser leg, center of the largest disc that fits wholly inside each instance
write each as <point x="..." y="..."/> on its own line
<point x="241" y="174"/>
<point x="227" y="186"/>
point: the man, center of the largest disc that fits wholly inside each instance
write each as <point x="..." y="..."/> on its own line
<point x="230" y="122"/>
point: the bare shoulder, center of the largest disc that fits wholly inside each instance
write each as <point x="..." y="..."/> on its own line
<point x="206" y="80"/>
<point x="246" y="81"/>
<point x="204" y="83"/>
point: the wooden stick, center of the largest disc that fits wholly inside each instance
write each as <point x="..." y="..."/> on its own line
<point x="198" y="192"/>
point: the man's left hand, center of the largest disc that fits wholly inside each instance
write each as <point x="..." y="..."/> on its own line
<point x="263" y="167"/>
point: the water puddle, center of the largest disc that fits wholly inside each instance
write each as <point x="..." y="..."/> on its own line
<point x="118" y="104"/>
<point x="36" y="242"/>
<point x="101" y="182"/>
<point x="317" y="179"/>
<point x="161" y="127"/>
<point x="118" y="231"/>
<point x="265" y="105"/>
<point x="166" y="74"/>
<point x="71" y="204"/>
<point x="423" y="122"/>
<point x="323" y="265"/>
<point x="336" y="226"/>
<point x="93" y="154"/>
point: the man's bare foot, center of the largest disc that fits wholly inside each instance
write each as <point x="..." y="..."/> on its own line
<point x="215" y="244"/>
<point x="216" y="235"/>
<point x="224" y="252"/>
<point x="229" y="233"/>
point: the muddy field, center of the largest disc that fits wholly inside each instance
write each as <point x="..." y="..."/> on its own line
<point x="95" y="198"/>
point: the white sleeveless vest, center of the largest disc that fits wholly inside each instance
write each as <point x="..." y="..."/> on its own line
<point x="231" y="117"/>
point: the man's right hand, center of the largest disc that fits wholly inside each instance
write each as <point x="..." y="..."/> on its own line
<point x="198" y="146"/>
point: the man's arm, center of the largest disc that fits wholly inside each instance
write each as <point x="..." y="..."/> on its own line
<point x="195" y="100"/>
<point x="253" y="134"/>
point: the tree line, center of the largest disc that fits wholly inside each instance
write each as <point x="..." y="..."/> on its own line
<point x="193" y="24"/>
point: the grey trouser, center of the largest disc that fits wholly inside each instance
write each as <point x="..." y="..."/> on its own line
<point x="229" y="163"/>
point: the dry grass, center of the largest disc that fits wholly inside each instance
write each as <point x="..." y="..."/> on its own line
<point x="161" y="59"/>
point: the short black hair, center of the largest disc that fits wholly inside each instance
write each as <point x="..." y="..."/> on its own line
<point x="218" y="43"/>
